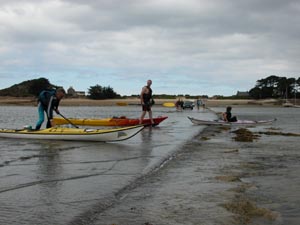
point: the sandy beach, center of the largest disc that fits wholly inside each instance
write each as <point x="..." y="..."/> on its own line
<point x="135" y="101"/>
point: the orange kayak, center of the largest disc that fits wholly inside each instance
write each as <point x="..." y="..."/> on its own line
<point x="118" y="121"/>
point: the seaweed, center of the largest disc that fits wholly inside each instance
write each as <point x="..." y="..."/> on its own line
<point x="244" y="135"/>
<point x="247" y="210"/>
<point x="279" y="133"/>
<point x="229" y="178"/>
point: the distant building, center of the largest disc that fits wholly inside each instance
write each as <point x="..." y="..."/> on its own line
<point x="75" y="94"/>
<point x="71" y="91"/>
<point x="80" y="94"/>
<point x="243" y="94"/>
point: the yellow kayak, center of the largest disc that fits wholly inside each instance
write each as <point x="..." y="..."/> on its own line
<point x="122" y="103"/>
<point x="169" y="104"/>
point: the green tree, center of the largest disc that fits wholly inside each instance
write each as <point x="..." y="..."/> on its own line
<point x="255" y="93"/>
<point x="275" y="87"/>
<point x="99" y="92"/>
<point x="109" y="92"/>
<point x="268" y="86"/>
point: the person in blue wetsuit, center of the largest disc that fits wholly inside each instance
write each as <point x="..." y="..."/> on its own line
<point x="227" y="116"/>
<point x="48" y="101"/>
<point x="146" y="101"/>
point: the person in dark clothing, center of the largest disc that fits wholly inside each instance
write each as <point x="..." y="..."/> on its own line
<point x="227" y="116"/>
<point x="179" y="104"/>
<point x="48" y="101"/>
<point x="146" y="101"/>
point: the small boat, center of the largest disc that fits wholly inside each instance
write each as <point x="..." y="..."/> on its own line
<point x="288" y="104"/>
<point x="115" y="121"/>
<point x="237" y="123"/>
<point x="168" y="104"/>
<point x="122" y="103"/>
<point x="74" y="134"/>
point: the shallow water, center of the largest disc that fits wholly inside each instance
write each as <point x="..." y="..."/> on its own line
<point x="65" y="182"/>
<point x="217" y="180"/>
<point x="57" y="181"/>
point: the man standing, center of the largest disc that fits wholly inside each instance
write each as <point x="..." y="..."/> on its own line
<point x="146" y="101"/>
<point x="48" y="101"/>
<point x="198" y="103"/>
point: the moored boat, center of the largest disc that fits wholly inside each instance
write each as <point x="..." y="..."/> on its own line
<point x="288" y="104"/>
<point x="118" y="121"/>
<point x="74" y="134"/>
<point x="237" y="123"/>
<point x="122" y="103"/>
<point x="168" y="104"/>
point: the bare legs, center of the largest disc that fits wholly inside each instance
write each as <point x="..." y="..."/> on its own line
<point x="150" y="116"/>
<point x="143" y="116"/>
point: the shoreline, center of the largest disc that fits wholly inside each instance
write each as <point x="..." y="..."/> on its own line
<point x="27" y="101"/>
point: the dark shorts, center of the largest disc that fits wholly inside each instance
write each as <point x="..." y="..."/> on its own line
<point x="146" y="108"/>
<point x="233" y="119"/>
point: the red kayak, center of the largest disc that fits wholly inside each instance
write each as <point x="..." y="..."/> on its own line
<point x="115" y="121"/>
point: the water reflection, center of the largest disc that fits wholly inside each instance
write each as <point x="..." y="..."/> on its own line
<point x="49" y="171"/>
<point x="146" y="135"/>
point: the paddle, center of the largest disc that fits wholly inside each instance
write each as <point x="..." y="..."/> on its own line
<point x="211" y="110"/>
<point x="68" y="120"/>
<point x="219" y="114"/>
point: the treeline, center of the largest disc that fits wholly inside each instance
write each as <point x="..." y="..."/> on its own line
<point x="32" y="88"/>
<point x="276" y="87"/>
<point x="271" y="87"/>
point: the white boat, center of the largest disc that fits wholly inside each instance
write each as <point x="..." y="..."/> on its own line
<point x="288" y="104"/>
<point x="237" y="123"/>
<point x="74" y="134"/>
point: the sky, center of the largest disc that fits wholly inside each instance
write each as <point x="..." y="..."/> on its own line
<point x="195" y="47"/>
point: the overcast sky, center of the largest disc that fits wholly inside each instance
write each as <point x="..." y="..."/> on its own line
<point x="196" y="47"/>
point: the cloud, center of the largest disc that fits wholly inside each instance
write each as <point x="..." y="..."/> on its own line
<point x="220" y="43"/>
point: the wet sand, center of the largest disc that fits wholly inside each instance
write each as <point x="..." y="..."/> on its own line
<point x="216" y="180"/>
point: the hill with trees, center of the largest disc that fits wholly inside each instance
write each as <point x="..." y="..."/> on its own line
<point x="32" y="88"/>
<point x="28" y="88"/>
